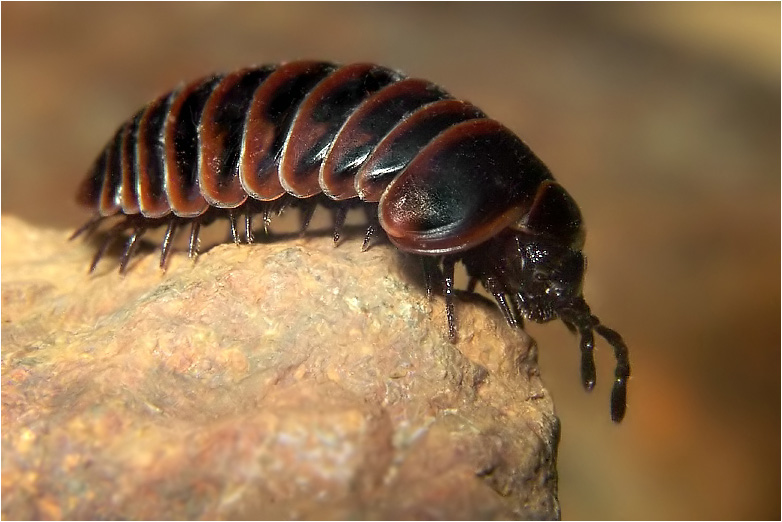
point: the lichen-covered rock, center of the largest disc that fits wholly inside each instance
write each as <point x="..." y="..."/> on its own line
<point x="283" y="380"/>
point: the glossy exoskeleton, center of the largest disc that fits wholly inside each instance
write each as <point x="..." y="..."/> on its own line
<point x="437" y="176"/>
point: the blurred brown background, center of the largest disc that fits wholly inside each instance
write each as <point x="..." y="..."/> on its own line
<point x="663" y="121"/>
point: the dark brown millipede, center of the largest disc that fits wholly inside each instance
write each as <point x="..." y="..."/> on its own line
<point x="434" y="174"/>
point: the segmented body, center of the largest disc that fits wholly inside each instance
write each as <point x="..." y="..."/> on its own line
<point x="438" y="176"/>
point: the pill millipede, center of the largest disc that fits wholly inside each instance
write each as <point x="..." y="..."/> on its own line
<point x="435" y="175"/>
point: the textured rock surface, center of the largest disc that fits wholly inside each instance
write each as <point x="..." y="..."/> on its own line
<point x="284" y="380"/>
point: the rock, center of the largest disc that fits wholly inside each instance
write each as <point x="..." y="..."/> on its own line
<point x="277" y="381"/>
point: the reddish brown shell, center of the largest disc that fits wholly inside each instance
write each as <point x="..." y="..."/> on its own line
<point x="446" y="177"/>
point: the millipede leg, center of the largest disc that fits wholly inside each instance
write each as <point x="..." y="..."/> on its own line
<point x="448" y="264"/>
<point x="130" y="248"/>
<point x="515" y="306"/>
<point x="339" y="221"/>
<point x="493" y="286"/>
<point x="471" y="284"/>
<point x="372" y="227"/>
<point x="267" y="219"/>
<point x="248" y="226"/>
<point x="88" y="227"/>
<point x="100" y="252"/>
<point x="111" y="235"/>
<point x="429" y="266"/>
<point x="367" y="237"/>
<point x="232" y="220"/>
<point x="307" y="210"/>
<point x="192" y="250"/>
<point x="277" y="207"/>
<point x="165" y="246"/>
